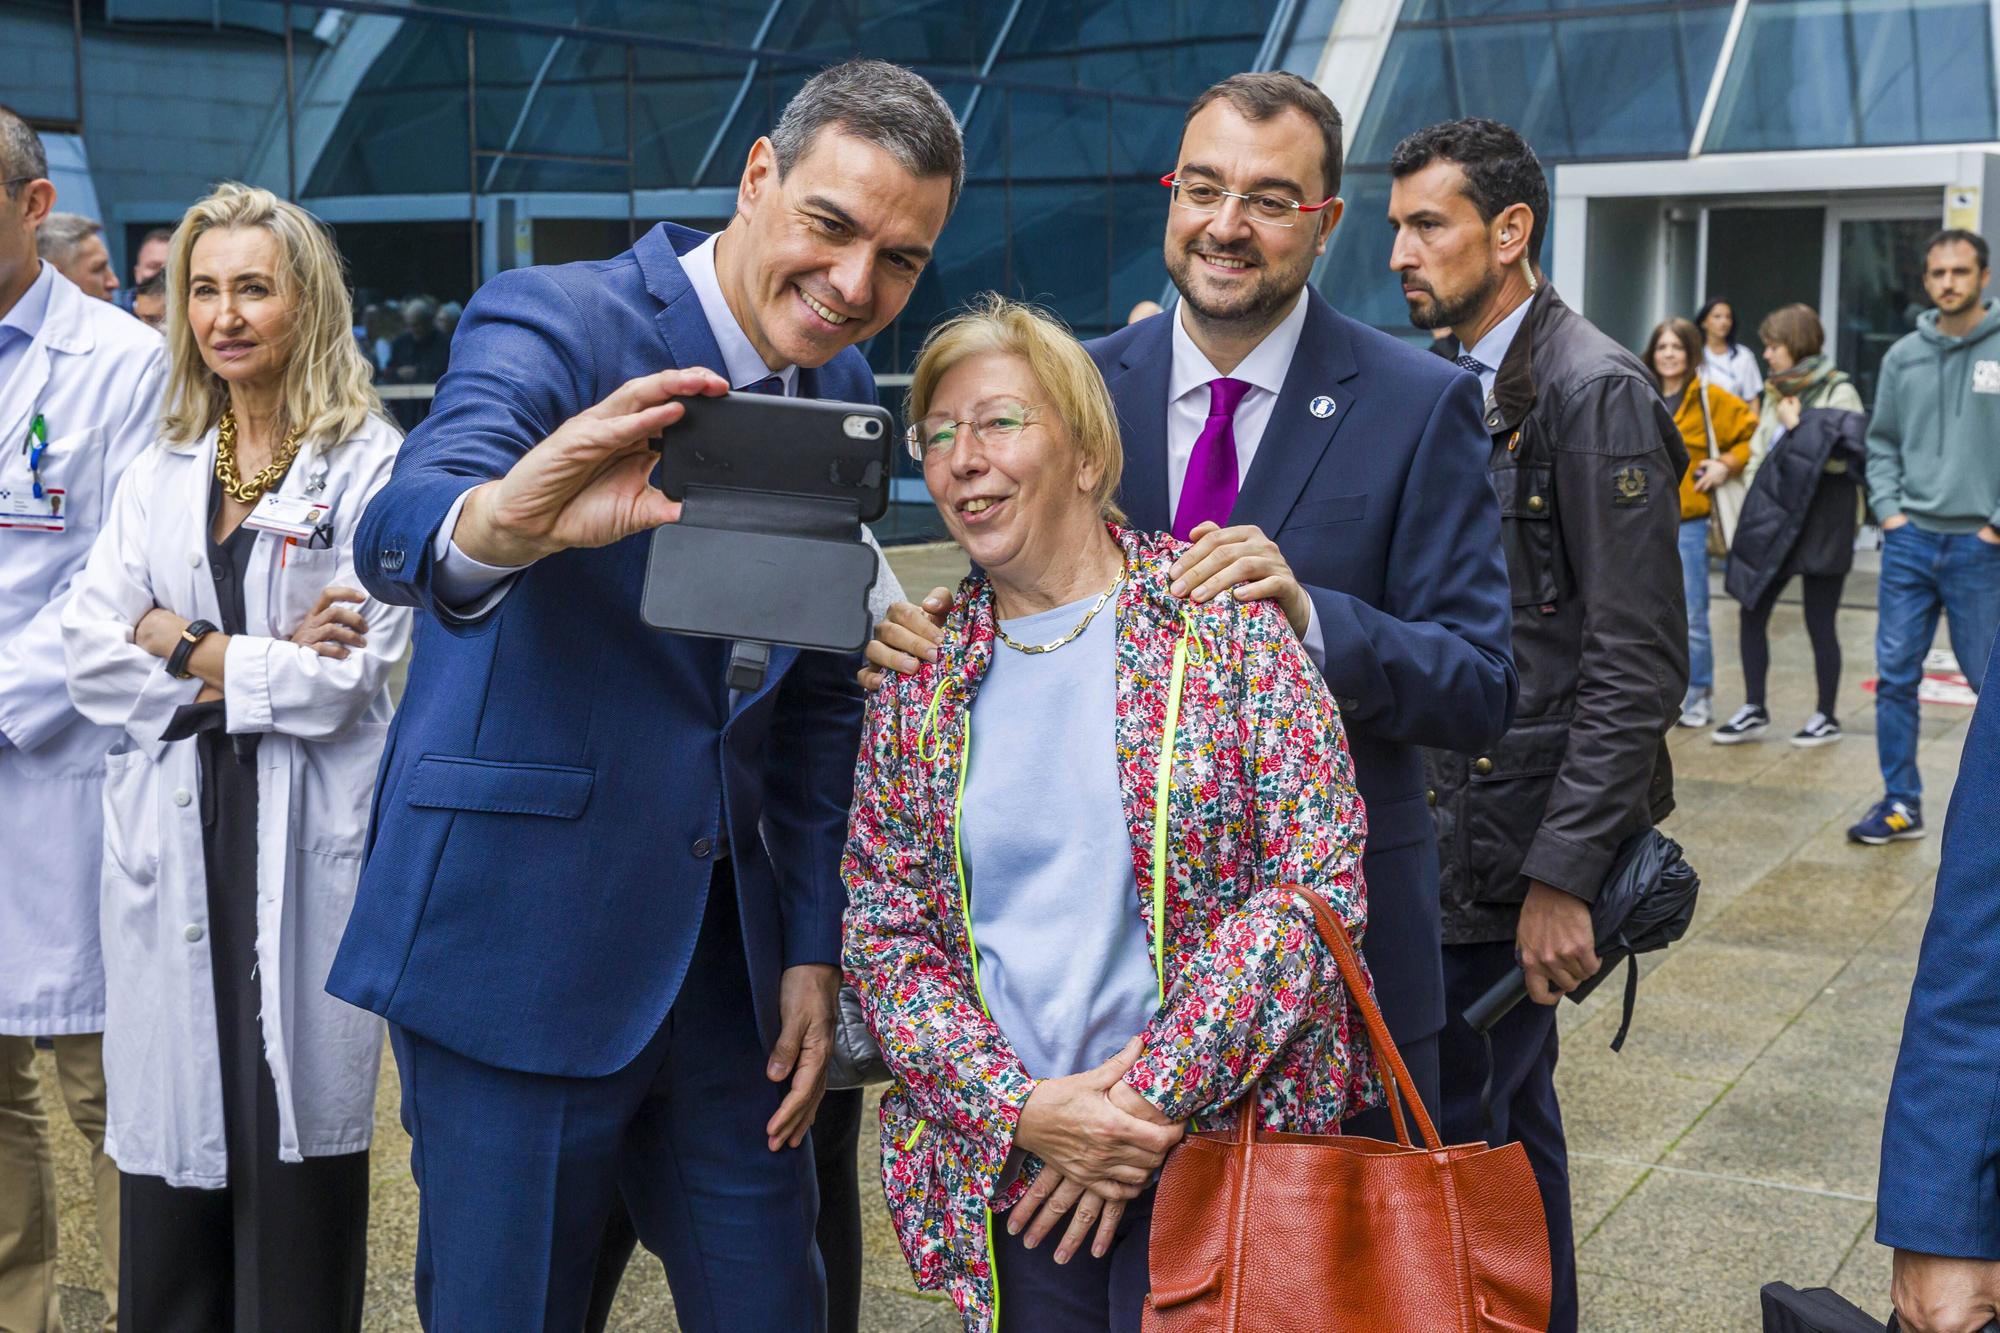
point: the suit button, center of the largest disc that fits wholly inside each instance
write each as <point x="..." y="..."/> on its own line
<point x="1431" y="796"/>
<point x="1535" y="505"/>
<point x="1482" y="766"/>
<point x="192" y="934"/>
<point x="182" y="797"/>
<point x="702" y="847"/>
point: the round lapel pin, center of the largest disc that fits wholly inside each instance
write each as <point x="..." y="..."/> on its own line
<point x="1321" y="407"/>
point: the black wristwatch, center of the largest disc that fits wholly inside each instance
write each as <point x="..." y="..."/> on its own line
<point x="177" y="661"/>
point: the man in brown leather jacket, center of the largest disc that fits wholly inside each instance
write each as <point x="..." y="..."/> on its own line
<point x="1586" y="462"/>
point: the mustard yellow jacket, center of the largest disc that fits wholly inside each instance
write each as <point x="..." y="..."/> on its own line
<point x="1734" y="425"/>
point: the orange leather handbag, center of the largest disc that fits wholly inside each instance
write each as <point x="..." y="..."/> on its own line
<point x="1255" y="1232"/>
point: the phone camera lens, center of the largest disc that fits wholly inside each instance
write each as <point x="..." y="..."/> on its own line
<point x="873" y="428"/>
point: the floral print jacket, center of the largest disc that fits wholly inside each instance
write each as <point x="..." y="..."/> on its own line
<point x="1260" y="797"/>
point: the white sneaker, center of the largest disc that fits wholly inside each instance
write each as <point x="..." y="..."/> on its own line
<point x="1749" y="724"/>
<point x="1698" y="711"/>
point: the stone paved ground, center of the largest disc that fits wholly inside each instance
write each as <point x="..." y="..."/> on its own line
<point x="1734" y="1142"/>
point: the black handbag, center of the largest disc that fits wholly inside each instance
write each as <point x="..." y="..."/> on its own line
<point x="1820" y="1310"/>
<point x="857" y="1059"/>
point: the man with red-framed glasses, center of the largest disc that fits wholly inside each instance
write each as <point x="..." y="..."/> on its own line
<point x="1314" y="460"/>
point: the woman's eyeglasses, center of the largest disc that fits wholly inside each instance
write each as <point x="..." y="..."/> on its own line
<point x="992" y="424"/>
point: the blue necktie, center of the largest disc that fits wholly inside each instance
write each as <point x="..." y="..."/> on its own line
<point x="1472" y="363"/>
<point x="772" y="385"/>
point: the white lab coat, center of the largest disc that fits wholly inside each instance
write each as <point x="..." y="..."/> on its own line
<point x="323" y="723"/>
<point x="94" y="374"/>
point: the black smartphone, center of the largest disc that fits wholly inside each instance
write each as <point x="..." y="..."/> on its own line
<point x="765" y="445"/>
<point x="768" y="548"/>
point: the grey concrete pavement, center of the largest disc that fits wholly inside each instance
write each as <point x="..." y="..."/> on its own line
<point x="1734" y="1141"/>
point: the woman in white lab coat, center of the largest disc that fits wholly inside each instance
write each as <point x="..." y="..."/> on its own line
<point x="218" y="624"/>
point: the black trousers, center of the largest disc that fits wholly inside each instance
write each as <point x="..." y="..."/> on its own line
<point x="1085" y="1295"/>
<point x="284" y="1246"/>
<point x="1523" y="1108"/>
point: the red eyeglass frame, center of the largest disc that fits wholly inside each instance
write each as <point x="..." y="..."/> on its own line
<point x="1170" y="182"/>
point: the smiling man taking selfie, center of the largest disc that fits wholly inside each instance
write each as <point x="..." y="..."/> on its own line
<point x="602" y="907"/>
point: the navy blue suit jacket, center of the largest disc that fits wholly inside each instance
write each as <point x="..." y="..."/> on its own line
<point x="1940" y="1184"/>
<point x="560" y="777"/>
<point x="1384" y="511"/>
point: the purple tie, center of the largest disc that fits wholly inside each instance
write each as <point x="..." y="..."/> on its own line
<point x="1208" y="492"/>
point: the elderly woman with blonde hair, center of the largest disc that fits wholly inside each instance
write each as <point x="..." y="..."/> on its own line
<point x="217" y="626"/>
<point x="1076" y="842"/>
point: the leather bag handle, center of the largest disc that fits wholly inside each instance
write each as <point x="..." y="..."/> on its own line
<point x="1402" y="1088"/>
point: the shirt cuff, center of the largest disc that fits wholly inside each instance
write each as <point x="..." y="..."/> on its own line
<point x="1314" y="639"/>
<point x="466" y="587"/>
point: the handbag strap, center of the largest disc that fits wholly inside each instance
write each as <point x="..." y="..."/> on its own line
<point x="1401" y="1087"/>
<point x="1707" y="421"/>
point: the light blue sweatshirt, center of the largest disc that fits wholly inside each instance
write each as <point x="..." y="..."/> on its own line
<point x="1064" y="963"/>
<point x="1934" y="438"/>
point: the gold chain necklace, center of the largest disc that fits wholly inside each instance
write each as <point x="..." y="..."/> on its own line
<point x="1081" y="625"/>
<point x="248" y="492"/>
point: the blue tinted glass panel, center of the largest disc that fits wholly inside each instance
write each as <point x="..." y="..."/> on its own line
<point x="1413" y="89"/>
<point x="404" y="129"/>
<point x="1579" y="85"/>
<point x="1885" y="72"/>
<point x="1061" y="237"/>
<point x="551" y="95"/>
<point x="1138" y="228"/>
<point x="1059" y="136"/>
<point x="1510" y="72"/>
<point x="1355" y="275"/>
<point x="1624" y="86"/>
<point x="1145" y="141"/>
<point x="1173" y="48"/>
<point x="679" y="102"/>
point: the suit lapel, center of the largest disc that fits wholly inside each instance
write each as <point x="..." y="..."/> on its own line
<point x="1139" y="390"/>
<point x="680" y="321"/>
<point x="1322" y="372"/>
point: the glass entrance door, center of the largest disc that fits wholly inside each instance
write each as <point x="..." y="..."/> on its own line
<point x="1877" y="288"/>
<point x="1759" y="258"/>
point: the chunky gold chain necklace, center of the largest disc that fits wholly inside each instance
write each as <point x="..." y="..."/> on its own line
<point x="1081" y="625"/>
<point x="248" y="492"/>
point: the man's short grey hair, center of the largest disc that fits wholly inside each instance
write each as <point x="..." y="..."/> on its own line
<point x="893" y="108"/>
<point x="22" y="157"/>
<point x="419" y="310"/>
<point x="62" y="234"/>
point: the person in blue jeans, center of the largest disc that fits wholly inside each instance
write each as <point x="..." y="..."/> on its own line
<point x="1934" y="484"/>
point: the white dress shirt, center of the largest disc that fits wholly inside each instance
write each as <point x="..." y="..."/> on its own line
<point x="1491" y="350"/>
<point x="19" y="326"/>
<point x="472" y="587"/>
<point x="1264" y="370"/>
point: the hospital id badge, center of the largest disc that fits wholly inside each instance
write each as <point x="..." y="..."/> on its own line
<point x="292" y="516"/>
<point x="22" y="511"/>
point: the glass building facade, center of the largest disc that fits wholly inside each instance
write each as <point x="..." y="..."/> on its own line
<point x="446" y="143"/>
<point x="598" y="117"/>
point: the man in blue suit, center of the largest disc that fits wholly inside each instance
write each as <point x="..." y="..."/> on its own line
<point x="1939" y="1196"/>
<point x="602" y="908"/>
<point x="1330" y="466"/>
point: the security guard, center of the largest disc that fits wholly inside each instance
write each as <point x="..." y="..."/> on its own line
<point x="79" y="390"/>
<point x="1586" y="463"/>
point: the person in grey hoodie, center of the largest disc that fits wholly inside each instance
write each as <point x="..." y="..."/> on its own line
<point x="1934" y="484"/>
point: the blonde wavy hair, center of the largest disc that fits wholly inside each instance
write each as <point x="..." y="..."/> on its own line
<point x="992" y="323"/>
<point x="327" y="389"/>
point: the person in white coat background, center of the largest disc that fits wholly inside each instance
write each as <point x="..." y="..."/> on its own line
<point x="220" y="627"/>
<point x="80" y="387"/>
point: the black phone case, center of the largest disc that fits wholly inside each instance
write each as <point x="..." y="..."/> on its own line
<point x="766" y="445"/>
<point x="768" y="547"/>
